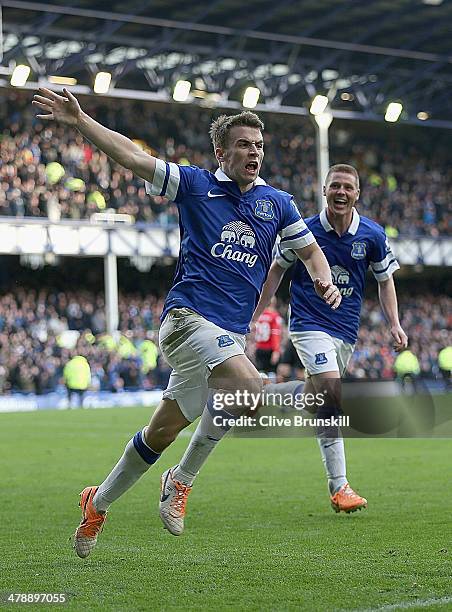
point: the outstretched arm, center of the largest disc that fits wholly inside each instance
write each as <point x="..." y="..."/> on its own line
<point x="319" y="270"/>
<point x="66" y="109"/>
<point x="388" y="302"/>
<point x="269" y="289"/>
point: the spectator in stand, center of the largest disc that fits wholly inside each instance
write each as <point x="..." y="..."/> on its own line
<point x="48" y="172"/>
<point x="36" y="325"/>
<point x="131" y="374"/>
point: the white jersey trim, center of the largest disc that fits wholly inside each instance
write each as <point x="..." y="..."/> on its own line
<point x="286" y="258"/>
<point x="173" y="182"/>
<point x="300" y="243"/>
<point x="379" y="266"/>
<point x="158" y="187"/>
<point x="353" y="227"/>
<point x="221" y="176"/>
<point x="155" y="187"/>
<point x="294" y="228"/>
<point x="384" y="275"/>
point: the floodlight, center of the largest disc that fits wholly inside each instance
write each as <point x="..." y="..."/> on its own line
<point x="251" y="97"/>
<point x="102" y="82"/>
<point x="20" y="75"/>
<point x="62" y="80"/>
<point x="318" y="105"/>
<point x="181" y="91"/>
<point x="393" y="112"/>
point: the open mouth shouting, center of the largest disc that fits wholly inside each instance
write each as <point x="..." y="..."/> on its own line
<point x="252" y="167"/>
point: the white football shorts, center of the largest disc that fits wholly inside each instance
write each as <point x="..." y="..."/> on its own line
<point x="193" y="346"/>
<point x="320" y="352"/>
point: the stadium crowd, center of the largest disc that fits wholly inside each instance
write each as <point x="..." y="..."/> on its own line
<point x="40" y="330"/>
<point x="48" y="171"/>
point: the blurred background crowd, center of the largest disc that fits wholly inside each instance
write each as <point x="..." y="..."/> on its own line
<point x="40" y="330"/>
<point x="49" y="171"/>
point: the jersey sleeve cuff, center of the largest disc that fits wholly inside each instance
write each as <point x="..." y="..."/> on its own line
<point x="166" y="180"/>
<point x="386" y="274"/>
<point x="298" y="242"/>
<point x="285" y="258"/>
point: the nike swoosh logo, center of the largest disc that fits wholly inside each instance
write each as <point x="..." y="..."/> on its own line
<point x="216" y="195"/>
<point x="164" y="496"/>
<point x="328" y="445"/>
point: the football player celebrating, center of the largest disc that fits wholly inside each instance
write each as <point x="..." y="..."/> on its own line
<point x="229" y="222"/>
<point x="325" y="339"/>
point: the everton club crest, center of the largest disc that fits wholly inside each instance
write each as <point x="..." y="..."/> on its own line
<point x="358" y="250"/>
<point x="320" y="359"/>
<point x="264" y="209"/>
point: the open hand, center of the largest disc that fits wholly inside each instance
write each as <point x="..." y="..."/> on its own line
<point x="328" y="292"/>
<point x="65" y="109"/>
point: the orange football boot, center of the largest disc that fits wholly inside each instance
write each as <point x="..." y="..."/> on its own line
<point x="346" y="500"/>
<point x="85" y="537"/>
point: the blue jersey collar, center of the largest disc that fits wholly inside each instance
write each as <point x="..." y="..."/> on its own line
<point x="353" y="228"/>
<point x="221" y="176"/>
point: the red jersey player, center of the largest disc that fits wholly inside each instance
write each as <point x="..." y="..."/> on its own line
<point x="268" y="339"/>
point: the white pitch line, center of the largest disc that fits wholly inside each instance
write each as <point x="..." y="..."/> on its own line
<point x="405" y="605"/>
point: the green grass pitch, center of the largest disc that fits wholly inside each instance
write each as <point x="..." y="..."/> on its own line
<point x="260" y="534"/>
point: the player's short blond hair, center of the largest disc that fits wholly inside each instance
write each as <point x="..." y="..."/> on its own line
<point x="346" y="169"/>
<point x="221" y="126"/>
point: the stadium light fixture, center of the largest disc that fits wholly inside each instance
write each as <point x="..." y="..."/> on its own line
<point x="393" y="111"/>
<point x="318" y="105"/>
<point x="181" y="91"/>
<point x="251" y="97"/>
<point x="20" y="75"/>
<point x="62" y="80"/>
<point x="423" y="116"/>
<point x="102" y="82"/>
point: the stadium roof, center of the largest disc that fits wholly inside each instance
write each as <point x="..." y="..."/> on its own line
<point x="362" y="55"/>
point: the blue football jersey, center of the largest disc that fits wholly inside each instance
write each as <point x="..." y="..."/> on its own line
<point x="227" y="239"/>
<point x="349" y="256"/>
